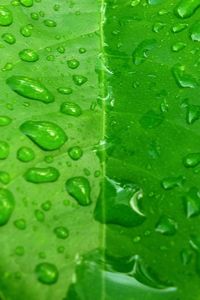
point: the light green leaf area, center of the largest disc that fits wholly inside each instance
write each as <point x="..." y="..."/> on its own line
<point x="49" y="125"/>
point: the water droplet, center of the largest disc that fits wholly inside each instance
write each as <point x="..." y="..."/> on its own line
<point x="79" y="79"/>
<point x="47" y="135"/>
<point x="4" y="177"/>
<point x="20" y="224"/>
<point x="193" y="113"/>
<point x="122" y="206"/>
<point x="26" y="3"/>
<point x="56" y="7"/>
<point x="61" y="249"/>
<point x="5" y="121"/>
<point x="7" y="67"/>
<point x="151" y="119"/>
<point x="158" y="26"/>
<point x="47" y="273"/>
<point x="6" y="17"/>
<point x="82" y="50"/>
<point x="75" y="152"/>
<point x="182" y="78"/>
<point x="64" y="90"/>
<point x="4" y="150"/>
<point x="35" y="16"/>
<point x="9" y="38"/>
<point x="192" y="203"/>
<point x="30" y="88"/>
<point x="71" y="109"/>
<point x="191" y="160"/>
<point x="195" y="31"/>
<point x="28" y="55"/>
<point x="172" y="182"/>
<point x="73" y="63"/>
<point x="50" y="23"/>
<point x="79" y="188"/>
<point x="179" y="27"/>
<point x="26" y="30"/>
<point x="40" y="216"/>
<point x="42" y="175"/>
<point x="25" y="154"/>
<point x="7" y="204"/>
<point x="186" y="8"/>
<point x="178" y="46"/>
<point x="141" y="53"/>
<point x="135" y="3"/>
<point x="186" y="256"/>
<point x="166" y="226"/>
<point x="46" y="206"/>
<point x="61" y="232"/>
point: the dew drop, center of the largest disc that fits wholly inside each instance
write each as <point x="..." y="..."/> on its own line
<point x="71" y="109"/>
<point x="4" y="177"/>
<point x="166" y="226"/>
<point x="79" y="188"/>
<point x="75" y="153"/>
<point x="73" y="63"/>
<point x="40" y="216"/>
<point x="178" y="46"/>
<point x="4" y="150"/>
<point x="7" y="204"/>
<point x="47" y="135"/>
<point x="193" y="113"/>
<point x="186" y="8"/>
<point x="141" y="53"/>
<point x="26" y="3"/>
<point x="30" y="88"/>
<point x="46" y="206"/>
<point x="179" y="27"/>
<point x="9" y="38"/>
<point x="35" y="16"/>
<point x="28" y="55"/>
<point x="20" y="224"/>
<point x="61" y="232"/>
<point x="171" y="182"/>
<point x="195" y="32"/>
<point x="47" y="273"/>
<point x="182" y="78"/>
<point x="5" y="121"/>
<point x="42" y="175"/>
<point x="25" y="154"/>
<point x="191" y="160"/>
<point x="26" y="30"/>
<point x="79" y="79"/>
<point x="6" y="17"/>
<point x="64" y="90"/>
<point x="192" y="203"/>
<point x="50" y="23"/>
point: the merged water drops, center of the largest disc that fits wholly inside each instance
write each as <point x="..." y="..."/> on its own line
<point x="28" y="55"/>
<point x="26" y="30"/>
<point x="7" y="205"/>
<point x="70" y="108"/>
<point x="30" y="88"/>
<point x="47" y="273"/>
<point x="186" y="8"/>
<point x="6" y="17"/>
<point x="42" y="175"/>
<point x="79" y="188"/>
<point x="47" y="135"/>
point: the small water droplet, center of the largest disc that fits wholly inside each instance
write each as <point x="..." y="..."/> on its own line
<point x="182" y="78"/>
<point x="9" y="38"/>
<point x="47" y="273"/>
<point x="4" y="177"/>
<point x="46" y="206"/>
<point x="26" y="30"/>
<point x="166" y="226"/>
<point x="50" y="23"/>
<point x="172" y="182"/>
<point x="25" y="154"/>
<point x="71" y="109"/>
<point x="179" y="27"/>
<point x="73" y="63"/>
<point x="47" y="135"/>
<point x="195" y="31"/>
<point x="26" y="3"/>
<point x="5" y="121"/>
<point x="6" y="17"/>
<point x="193" y="113"/>
<point x="141" y="53"/>
<point x="61" y="232"/>
<point x="82" y="50"/>
<point x="79" y="188"/>
<point x="191" y="160"/>
<point x="178" y="46"/>
<point x="42" y="175"/>
<point x="79" y="79"/>
<point x="64" y="90"/>
<point x="40" y="216"/>
<point x="35" y="16"/>
<point x="75" y="152"/>
<point x="192" y="203"/>
<point x="30" y="88"/>
<point x="20" y="224"/>
<point x="4" y="150"/>
<point x="28" y="55"/>
<point x="7" y="204"/>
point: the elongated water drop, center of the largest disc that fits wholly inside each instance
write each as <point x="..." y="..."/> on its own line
<point x="47" y="135"/>
<point x="47" y="273"/>
<point x="64" y="90"/>
<point x="28" y="55"/>
<point x="30" y="88"/>
<point x="6" y="17"/>
<point x="7" y="204"/>
<point x="50" y="23"/>
<point x="71" y="108"/>
<point x="186" y="8"/>
<point x="42" y="175"/>
<point x="26" y="3"/>
<point x="4" y="150"/>
<point x="79" y="188"/>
